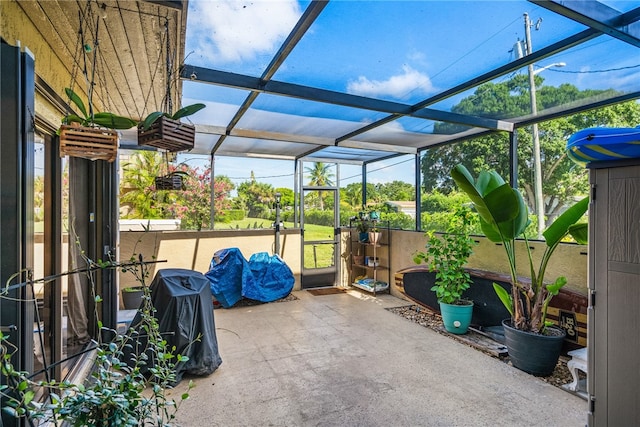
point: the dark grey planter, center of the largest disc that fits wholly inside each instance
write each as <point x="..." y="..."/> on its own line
<point x="533" y="353"/>
<point x="132" y="298"/>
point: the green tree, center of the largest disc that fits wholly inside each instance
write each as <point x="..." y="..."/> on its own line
<point x="351" y="195"/>
<point x="286" y="197"/>
<point x="137" y="188"/>
<point x="258" y="197"/>
<point x="396" y="190"/>
<point x="320" y="175"/>
<point x="562" y="179"/>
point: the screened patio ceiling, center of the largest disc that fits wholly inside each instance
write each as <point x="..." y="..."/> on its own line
<point x="360" y="81"/>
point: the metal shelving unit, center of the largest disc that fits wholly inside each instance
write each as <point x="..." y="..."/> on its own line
<point x="369" y="267"/>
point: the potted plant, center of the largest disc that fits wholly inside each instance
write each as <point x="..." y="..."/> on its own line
<point x="358" y="258"/>
<point x="132" y="297"/>
<point x="374" y="234"/>
<point x="91" y="136"/>
<point x="362" y="225"/>
<point x="447" y="255"/>
<point x="172" y="181"/>
<point x="165" y="131"/>
<point x="123" y="388"/>
<point x="533" y="344"/>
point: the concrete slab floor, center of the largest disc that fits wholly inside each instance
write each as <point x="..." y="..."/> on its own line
<point x="343" y="360"/>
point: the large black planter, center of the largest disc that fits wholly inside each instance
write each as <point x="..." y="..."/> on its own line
<point x="533" y="353"/>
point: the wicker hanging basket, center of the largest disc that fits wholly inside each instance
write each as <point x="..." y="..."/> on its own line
<point x="88" y="142"/>
<point x="168" y="134"/>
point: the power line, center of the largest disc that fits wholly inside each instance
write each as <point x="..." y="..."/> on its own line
<point x="378" y="169"/>
<point x="595" y="71"/>
<point x="260" y="177"/>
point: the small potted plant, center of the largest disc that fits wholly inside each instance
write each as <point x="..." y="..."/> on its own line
<point x="534" y="345"/>
<point x="447" y="255"/>
<point x="358" y="258"/>
<point x="362" y="225"/>
<point x="132" y="297"/>
<point x="91" y="136"/>
<point x="375" y="235"/>
<point x="165" y="131"/>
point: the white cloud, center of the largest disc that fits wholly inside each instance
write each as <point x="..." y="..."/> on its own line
<point x="399" y="86"/>
<point x="235" y="30"/>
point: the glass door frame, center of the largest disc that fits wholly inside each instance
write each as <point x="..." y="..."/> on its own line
<point x="308" y="279"/>
<point x="312" y="275"/>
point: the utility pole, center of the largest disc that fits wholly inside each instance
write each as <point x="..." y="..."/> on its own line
<point x="537" y="162"/>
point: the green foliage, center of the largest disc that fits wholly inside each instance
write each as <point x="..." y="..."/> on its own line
<point x="562" y="179"/>
<point x="320" y="175"/>
<point x="137" y="188"/>
<point x="318" y="217"/>
<point x="399" y="220"/>
<point x="286" y="196"/>
<point x="258" y="197"/>
<point x="232" y="215"/>
<point x="125" y="387"/>
<point x="396" y="191"/>
<point x="183" y="112"/>
<point x="447" y="254"/>
<point x="362" y="225"/>
<point x="504" y="217"/>
<point x="107" y="120"/>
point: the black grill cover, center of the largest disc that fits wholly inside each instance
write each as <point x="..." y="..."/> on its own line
<point x="184" y="309"/>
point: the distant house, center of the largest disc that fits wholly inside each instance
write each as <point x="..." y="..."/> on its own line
<point x="405" y="207"/>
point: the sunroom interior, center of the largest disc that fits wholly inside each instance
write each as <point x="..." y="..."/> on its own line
<point x="378" y="91"/>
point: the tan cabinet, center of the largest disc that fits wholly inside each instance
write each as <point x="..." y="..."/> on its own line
<point x="614" y="286"/>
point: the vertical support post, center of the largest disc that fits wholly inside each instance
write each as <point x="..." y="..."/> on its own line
<point x="513" y="159"/>
<point x="276" y="249"/>
<point x="17" y="126"/>
<point x="418" y="190"/>
<point x="364" y="185"/>
<point x="212" y="207"/>
<point x="53" y="247"/>
<point x="297" y="185"/>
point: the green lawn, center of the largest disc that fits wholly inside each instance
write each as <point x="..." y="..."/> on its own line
<point x="315" y="256"/>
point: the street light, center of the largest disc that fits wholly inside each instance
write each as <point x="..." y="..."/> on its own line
<point x="537" y="163"/>
<point x="546" y="67"/>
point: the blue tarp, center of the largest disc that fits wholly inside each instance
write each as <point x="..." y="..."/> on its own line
<point x="263" y="278"/>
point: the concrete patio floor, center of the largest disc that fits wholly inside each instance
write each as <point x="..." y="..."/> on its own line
<point x="343" y="360"/>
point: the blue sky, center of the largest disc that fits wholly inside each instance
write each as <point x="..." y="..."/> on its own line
<point x="416" y="48"/>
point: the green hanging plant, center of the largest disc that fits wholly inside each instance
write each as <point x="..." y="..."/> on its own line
<point x="102" y="119"/>
<point x="183" y="112"/>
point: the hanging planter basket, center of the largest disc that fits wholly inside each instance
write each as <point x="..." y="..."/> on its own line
<point x="168" y="134"/>
<point x="88" y="142"/>
<point x="169" y="182"/>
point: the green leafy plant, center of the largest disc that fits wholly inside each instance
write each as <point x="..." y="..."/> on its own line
<point x="103" y="119"/>
<point x="125" y="387"/>
<point x="362" y="226"/>
<point x="503" y="217"/>
<point x="183" y="112"/>
<point x="447" y="255"/>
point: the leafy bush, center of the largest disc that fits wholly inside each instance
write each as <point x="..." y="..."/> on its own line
<point x="318" y="217"/>
<point x="447" y="255"/>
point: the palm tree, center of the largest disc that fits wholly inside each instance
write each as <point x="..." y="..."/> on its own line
<point x="137" y="188"/>
<point x="320" y="175"/>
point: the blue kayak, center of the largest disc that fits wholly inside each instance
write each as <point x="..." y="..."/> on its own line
<point x="604" y="144"/>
